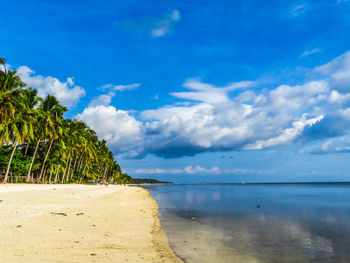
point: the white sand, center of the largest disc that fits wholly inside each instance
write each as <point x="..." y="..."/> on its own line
<point x="98" y="224"/>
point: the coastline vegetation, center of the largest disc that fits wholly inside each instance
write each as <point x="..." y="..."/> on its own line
<point x="149" y="181"/>
<point x="37" y="144"/>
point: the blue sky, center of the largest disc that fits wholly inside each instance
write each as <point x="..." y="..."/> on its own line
<point x="196" y="91"/>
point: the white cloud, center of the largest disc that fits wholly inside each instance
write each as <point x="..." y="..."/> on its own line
<point x="212" y="120"/>
<point x="158" y="171"/>
<point x="329" y="145"/>
<point x="165" y="26"/>
<point x="102" y="100"/>
<point x="297" y="10"/>
<point x="259" y="122"/>
<point x="198" y="169"/>
<point x="255" y="122"/>
<point x="338" y="72"/>
<point x="175" y="15"/>
<point x="121" y="87"/>
<point x="336" y="97"/>
<point x="286" y="136"/>
<point x="186" y="170"/>
<point x="209" y="93"/>
<point x="66" y="92"/>
<point x="106" y="99"/>
<point x="309" y="52"/>
<point x="2" y="67"/>
<point x="296" y="97"/>
<point x="117" y="127"/>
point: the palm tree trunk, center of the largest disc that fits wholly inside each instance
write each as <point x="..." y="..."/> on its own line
<point x="65" y="169"/>
<point x="25" y="152"/>
<point x="105" y="175"/>
<point x="47" y="154"/>
<point x="84" y="168"/>
<point x="50" y="176"/>
<point x="70" y="162"/>
<point x="75" y="162"/>
<point x="56" y="175"/>
<point x="10" y="161"/>
<point x="80" y="160"/>
<point x="33" y="158"/>
<point x="42" y="179"/>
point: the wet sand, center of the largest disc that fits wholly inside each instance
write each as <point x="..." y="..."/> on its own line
<point x="78" y="223"/>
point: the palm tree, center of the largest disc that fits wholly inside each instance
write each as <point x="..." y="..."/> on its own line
<point x="69" y="147"/>
<point x="10" y="88"/>
<point x="56" y="160"/>
<point x="51" y="122"/>
<point x="30" y="99"/>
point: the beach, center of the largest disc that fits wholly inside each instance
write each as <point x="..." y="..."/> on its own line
<point x="80" y="223"/>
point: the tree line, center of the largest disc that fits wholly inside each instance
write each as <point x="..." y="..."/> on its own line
<point x="37" y="144"/>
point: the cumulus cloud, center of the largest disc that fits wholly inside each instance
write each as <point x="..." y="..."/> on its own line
<point x="103" y="100"/>
<point x="117" y="127"/>
<point x="338" y="72"/>
<point x="66" y="92"/>
<point x="332" y="125"/>
<point x="165" y="26"/>
<point x="336" y="97"/>
<point x="253" y="121"/>
<point x="212" y="119"/>
<point x="286" y="136"/>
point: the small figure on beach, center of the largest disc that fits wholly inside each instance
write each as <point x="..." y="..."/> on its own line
<point x="104" y="182"/>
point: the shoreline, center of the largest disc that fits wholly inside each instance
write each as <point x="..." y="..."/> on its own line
<point x="81" y="223"/>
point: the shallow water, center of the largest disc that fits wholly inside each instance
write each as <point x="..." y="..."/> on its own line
<point x="257" y="223"/>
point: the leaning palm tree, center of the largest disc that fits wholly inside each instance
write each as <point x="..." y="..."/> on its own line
<point x="10" y="110"/>
<point x="30" y="99"/>
<point x="56" y="160"/>
<point x="69" y="148"/>
<point x="51" y="122"/>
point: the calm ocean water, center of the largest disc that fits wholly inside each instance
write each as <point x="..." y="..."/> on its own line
<point x="272" y="223"/>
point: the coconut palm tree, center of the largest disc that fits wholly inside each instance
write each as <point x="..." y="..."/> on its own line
<point x="10" y="88"/>
<point x="51" y="121"/>
<point x="56" y="160"/>
<point x="31" y="100"/>
<point x="67" y="147"/>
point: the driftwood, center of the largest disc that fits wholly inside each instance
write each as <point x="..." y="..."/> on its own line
<point x="59" y="214"/>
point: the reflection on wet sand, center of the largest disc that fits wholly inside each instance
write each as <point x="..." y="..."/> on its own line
<point x="245" y="239"/>
<point x="197" y="242"/>
<point x="223" y="224"/>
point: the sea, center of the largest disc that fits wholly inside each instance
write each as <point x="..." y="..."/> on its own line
<point x="270" y="223"/>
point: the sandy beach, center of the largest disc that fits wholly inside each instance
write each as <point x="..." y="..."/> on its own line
<point x="79" y="223"/>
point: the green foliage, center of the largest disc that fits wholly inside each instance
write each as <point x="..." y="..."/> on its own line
<point x="49" y="147"/>
<point x="149" y="181"/>
<point x="124" y="179"/>
<point x="19" y="164"/>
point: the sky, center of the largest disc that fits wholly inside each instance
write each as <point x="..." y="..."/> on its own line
<point x="196" y="91"/>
